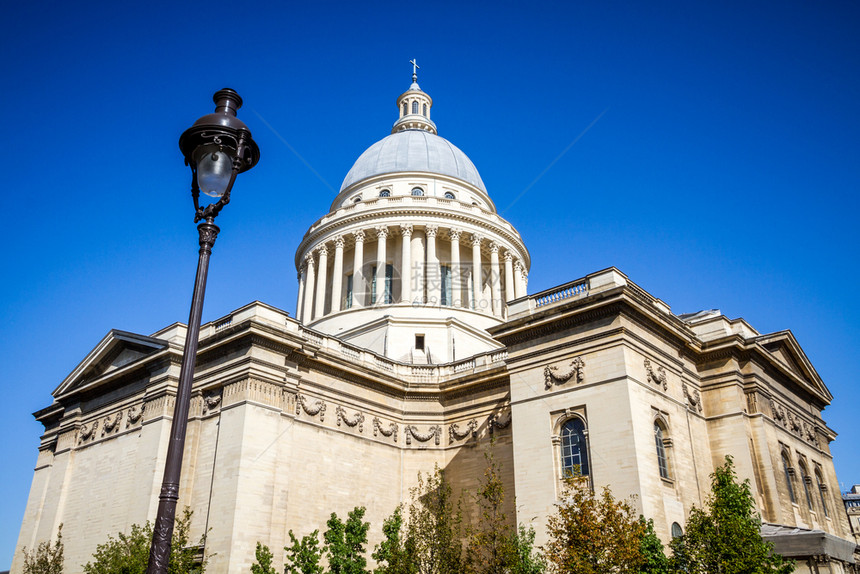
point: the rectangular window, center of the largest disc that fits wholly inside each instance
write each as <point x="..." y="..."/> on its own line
<point x="389" y="274"/>
<point x="447" y="288"/>
<point x="419" y="342"/>
<point x="347" y="302"/>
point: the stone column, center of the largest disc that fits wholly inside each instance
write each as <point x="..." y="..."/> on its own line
<point x="456" y="275"/>
<point x="509" y="277"/>
<point x="381" y="236"/>
<point x="337" y="275"/>
<point x="405" y="263"/>
<point x="358" y="287"/>
<point x="519" y="290"/>
<point x="477" y="275"/>
<point x="319" y="303"/>
<point x="302" y="276"/>
<point x="308" y="312"/>
<point x="434" y="272"/>
<point x="495" y="280"/>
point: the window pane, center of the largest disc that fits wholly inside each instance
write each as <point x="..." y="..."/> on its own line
<point x="785" y="467"/>
<point x="574" y="452"/>
<point x="662" y="463"/>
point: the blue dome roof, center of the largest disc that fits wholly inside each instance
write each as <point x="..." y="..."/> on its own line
<point x="413" y="150"/>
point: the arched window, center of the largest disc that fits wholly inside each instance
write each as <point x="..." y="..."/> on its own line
<point x="384" y="193"/>
<point x="425" y="110"/>
<point x="787" y="470"/>
<point x="806" y="480"/>
<point x="417" y="191"/>
<point x="414" y="107"/>
<point x="449" y="195"/>
<point x="574" y="451"/>
<point x="677" y="531"/>
<point x="821" y="490"/>
<point x="405" y="109"/>
<point x="662" y="459"/>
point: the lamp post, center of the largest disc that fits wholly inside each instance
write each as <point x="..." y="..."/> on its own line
<point x="217" y="148"/>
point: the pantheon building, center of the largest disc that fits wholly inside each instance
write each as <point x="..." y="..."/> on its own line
<point x="415" y="343"/>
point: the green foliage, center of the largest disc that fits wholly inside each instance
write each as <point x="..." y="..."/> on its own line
<point x="303" y="556"/>
<point x="263" y="561"/>
<point x="593" y="534"/>
<point x="129" y="553"/>
<point x="725" y="536"/>
<point x="527" y="559"/>
<point x="654" y="559"/>
<point x="490" y="547"/>
<point x="46" y="558"/>
<point x="394" y="555"/>
<point x="345" y="543"/>
<point x="435" y="526"/>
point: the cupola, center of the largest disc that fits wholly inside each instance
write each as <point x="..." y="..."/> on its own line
<point x="414" y="105"/>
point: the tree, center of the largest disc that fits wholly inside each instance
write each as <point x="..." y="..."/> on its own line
<point x="527" y="559"/>
<point x="435" y="526"/>
<point x="591" y="534"/>
<point x="129" y="553"/>
<point x="395" y="555"/>
<point x="345" y="543"/>
<point x="654" y="559"/>
<point x="725" y="536"/>
<point x="45" y="559"/>
<point x="303" y="556"/>
<point x="263" y="561"/>
<point x="490" y="549"/>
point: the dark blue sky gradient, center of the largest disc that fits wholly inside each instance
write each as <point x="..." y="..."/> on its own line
<point x="723" y="172"/>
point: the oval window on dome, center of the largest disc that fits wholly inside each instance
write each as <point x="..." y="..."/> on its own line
<point x="449" y="195"/>
<point x="385" y="193"/>
<point x="417" y="191"/>
<point x="356" y="199"/>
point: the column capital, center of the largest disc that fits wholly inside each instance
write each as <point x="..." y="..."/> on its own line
<point x="518" y="266"/>
<point x="431" y="230"/>
<point x="358" y="236"/>
<point x="322" y="250"/>
<point x="477" y="239"/>
<point x="381" y="232"/>
<point x="338" y="242"/>
<point x="494" y="247"/>
<point x="309" y="260"/>
<point x="508" y="256"/>
<point x="406" y="229"/>
<point x="454" y="234"/>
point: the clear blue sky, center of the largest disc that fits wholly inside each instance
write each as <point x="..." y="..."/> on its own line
<point x="723" y="173"/>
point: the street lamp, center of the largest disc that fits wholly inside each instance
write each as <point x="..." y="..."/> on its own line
<point x="217" y="148"/>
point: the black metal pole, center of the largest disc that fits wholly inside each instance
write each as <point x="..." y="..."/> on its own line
<point x="159" y="553"/>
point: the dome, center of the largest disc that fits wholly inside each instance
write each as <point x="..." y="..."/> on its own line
<point x="413" y="150"/>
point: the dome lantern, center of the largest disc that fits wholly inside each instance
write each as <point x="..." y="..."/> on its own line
<point x="414" y="106"/>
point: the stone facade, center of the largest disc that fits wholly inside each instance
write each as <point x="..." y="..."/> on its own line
<point x="415" y="344"/>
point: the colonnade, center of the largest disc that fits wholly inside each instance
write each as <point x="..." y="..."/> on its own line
<point x="430" y="270"/>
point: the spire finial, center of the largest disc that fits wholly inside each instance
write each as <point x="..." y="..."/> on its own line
<point x="415" y="67"/>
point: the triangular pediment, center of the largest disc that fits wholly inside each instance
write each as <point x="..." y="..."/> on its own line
<point x="115" y="351"/>
<point x="784" y="349"/>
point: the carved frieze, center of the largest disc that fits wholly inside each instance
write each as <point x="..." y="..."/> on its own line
<point x="561" y="373"/>
<point x="87" y="431"/>
<point x="434" y="432"/>
<point x="317" y="408"/>
<point x="135" y="414"/>
<point x="693" y="397"/>
<point x="386" y="432"/>
<point x="357" y="419"/>
<point x="211" y="400"/>
<point x="454" y="433"/>
<point x="793" y="423"/>
<point x="656" y="376"/>
<point x="494" y="423"/>
<point x="111" y="423"/>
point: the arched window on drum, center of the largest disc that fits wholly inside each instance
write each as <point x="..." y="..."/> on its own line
<point x="574" y="449"/>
